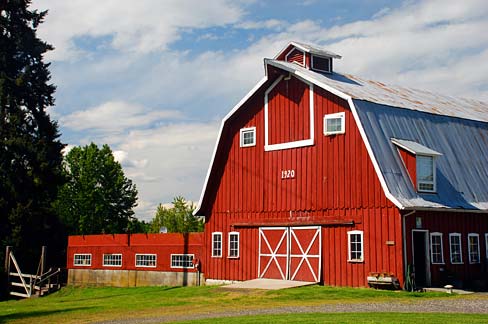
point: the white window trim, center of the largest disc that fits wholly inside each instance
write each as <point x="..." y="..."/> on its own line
<point x="460" y="247"/>
<point x="283" y="146"/>
<point x="241" y="139"/>
<point x="329" y="59"/>
<point x="238" y="245"/>
<point x="291" y="51"/>
<point x="434" y="181"/>
<point x="342" y="116"/>
<point x="181" y="254"/>
<point x="111" y="265"/>
<point x="432" y="251"/>
<point x="349" y="252"/>
<point x="147" y="266"/>
<point x="221" y="244"/>
<point x="478" y="247"/>
<point x="82" y="265"/>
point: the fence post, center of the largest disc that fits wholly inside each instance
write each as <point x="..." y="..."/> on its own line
<point x="8" y="250"/>
<point x="43" y="259"/>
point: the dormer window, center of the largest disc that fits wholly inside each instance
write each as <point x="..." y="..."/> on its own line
<point x="425" y="173"/>
<point x="420" y="162"/>
<point x="322" y="64"/>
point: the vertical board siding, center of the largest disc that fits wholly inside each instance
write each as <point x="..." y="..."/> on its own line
<point x="452" y="222"/>
<point x="334" y="182"/>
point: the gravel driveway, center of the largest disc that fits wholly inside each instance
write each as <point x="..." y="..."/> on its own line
<point x="471" y="305"/>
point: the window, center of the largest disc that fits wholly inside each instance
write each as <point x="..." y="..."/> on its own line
<point x="182" y="261"/>
<point x="322" y="64"/>
<point x="334" y="124"/>
<point x="486" y="245"/>
<point x="233" y="245"/>
<point x="436" y="249"/>
<point x="248" y="137"/>
<point x="355" y="243"/>
<point x="112" y="260"/>
<point x="146" y="260"/>
<point x="217" y="244"/>
<point x="425" y="173"/>
<point x="455" y="247"/>
<point x="82" y="260"/>
<point x="474" y="247"/>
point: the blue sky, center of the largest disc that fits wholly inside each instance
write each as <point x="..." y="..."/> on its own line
<point x="153" y="78"/>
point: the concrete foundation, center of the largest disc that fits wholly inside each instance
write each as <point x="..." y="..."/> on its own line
<point x="132" y="278"/>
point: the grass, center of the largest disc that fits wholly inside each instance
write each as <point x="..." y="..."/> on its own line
<point x="84" y="305"/>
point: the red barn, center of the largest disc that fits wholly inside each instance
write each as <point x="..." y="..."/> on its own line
<point x="325" y="177"/>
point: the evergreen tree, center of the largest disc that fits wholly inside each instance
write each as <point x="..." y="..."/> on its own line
<point x="97" y="197"/>
<point x="178" y="219"/>
<point x="30" y="152"/>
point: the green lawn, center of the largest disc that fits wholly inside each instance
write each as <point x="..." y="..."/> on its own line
<point x="84" y="305"/>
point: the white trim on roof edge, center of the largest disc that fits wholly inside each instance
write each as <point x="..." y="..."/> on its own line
<point x="236" y="107"/>
<point x="326" y="87"/>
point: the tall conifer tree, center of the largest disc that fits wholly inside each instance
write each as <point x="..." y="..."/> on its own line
<point x="30" y="151"/>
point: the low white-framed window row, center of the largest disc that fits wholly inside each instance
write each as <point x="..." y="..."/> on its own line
<point x="182" y="261"/>
<point x="112" y="260"/>
<point x="248" y="137"/>
<point x="355" y="246"/>
<point x="217" y="244"/>
<point x="455" y="247"/>
<point x="474" y="248"/>
<point x="146" y="260"/>
<point x="233" y="245"/>
<point x="82" y="259"/>
<point x="335" y="124"/>
<point x="436" y="248"/>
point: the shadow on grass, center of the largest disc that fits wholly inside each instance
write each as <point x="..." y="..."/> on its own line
<point x="33" y="314"/>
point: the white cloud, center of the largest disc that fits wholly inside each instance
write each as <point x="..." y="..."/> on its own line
<point x="115" y="115"/>
<point x="133" y="26"/>
<point x="264" y="24"/>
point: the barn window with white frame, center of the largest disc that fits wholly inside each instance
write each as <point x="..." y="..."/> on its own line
<point x="436" y="248"/>
<point x="474" y="247"/>
<point x="355" y="246"/>
<point x="233" y="245"/>
<point x="455" y="248"/>
<point x="217" y="244"/>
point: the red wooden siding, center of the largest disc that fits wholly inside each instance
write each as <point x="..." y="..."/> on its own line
<point x="289" y="112"/>
<point x="163" y="245"/>
<point x="410" y="162"/>
<point x="334" y="185"/>
<point x="452" y="222"/>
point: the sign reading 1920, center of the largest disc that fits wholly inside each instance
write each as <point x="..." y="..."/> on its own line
<point x="287" y="174"/>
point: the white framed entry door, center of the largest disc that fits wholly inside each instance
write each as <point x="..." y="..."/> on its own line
<point x="290" y="253"/>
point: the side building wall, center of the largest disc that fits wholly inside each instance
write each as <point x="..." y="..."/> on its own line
<point x="125" y="260"/>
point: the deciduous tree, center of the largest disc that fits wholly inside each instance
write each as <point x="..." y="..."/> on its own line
<point x="177" y="219"/>
<point x="97" y="197"/>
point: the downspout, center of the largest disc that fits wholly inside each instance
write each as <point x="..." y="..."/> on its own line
<point x="404" y="233"/>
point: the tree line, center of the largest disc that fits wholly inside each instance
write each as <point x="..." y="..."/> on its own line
<point x="45" y="196"/>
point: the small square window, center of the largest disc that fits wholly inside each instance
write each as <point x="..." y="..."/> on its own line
<point x="322" y="64"/>
<point x="146" y="260"/>
<point x="112" y="260"/>
<point x="355" y="246"/>
<point x="334" y="124"/>
<point x="184" y="261"/>
<point x="248" y="137"/>
<point x="83" y="260"/>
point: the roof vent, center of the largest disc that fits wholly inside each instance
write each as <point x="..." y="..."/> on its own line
<point x="308" y="56"/>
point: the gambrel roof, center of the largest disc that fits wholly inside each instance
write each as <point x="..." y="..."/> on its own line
<point x="454" y="127"/>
